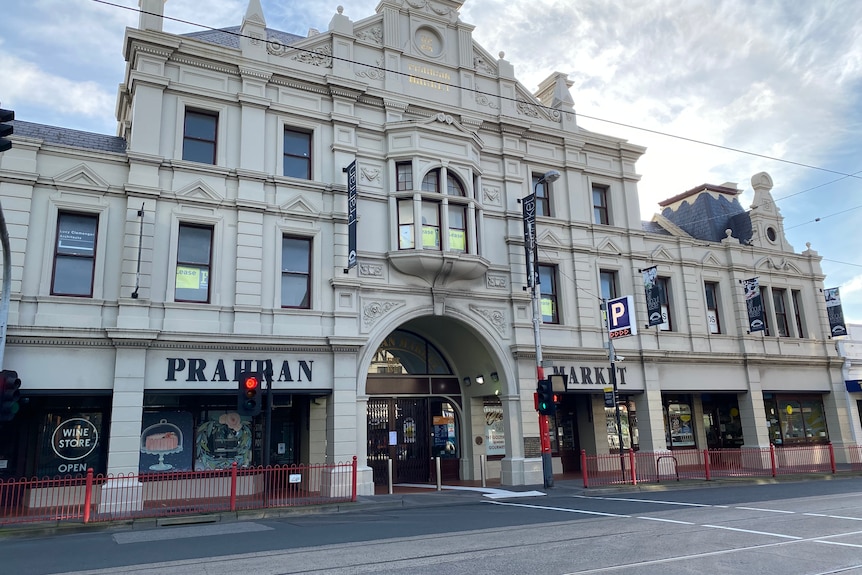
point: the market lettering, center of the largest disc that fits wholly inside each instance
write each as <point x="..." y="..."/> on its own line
<point x="598" y="375"/>
<point x="197" y="369"/>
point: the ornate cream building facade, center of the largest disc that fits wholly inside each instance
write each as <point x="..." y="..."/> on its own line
<point x="211" y="235"/>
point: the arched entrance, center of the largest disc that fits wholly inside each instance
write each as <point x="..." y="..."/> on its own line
<point x="414" y="411"/>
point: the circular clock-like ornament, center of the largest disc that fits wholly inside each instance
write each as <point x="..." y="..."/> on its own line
<point x="428" y="41"/>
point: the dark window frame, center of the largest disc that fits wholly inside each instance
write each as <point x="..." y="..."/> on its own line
<point x="190" y="263"/>
<point x="305" y="159"/>
<point x="664" y="292"/>
<point x="611" y="279"/>
<point x="796" y="298"/>
<point x="711" y="295"/>
<point x="543" y="195"/>
<point x="286" y="273"/>
<point x="403" y="176"/>
<point x="779" y="306"/>
<point x="195" y="139"/>
<point x="58" y="254"/>
<point x="549" y="292"/>
<point x="600" y="209"/>
<point x="764" y="299"/>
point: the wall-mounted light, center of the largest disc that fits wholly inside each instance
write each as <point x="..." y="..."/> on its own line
<point x="495" y="377"/>
<point x="467" y="382"/>
<point x="480" y="379"/>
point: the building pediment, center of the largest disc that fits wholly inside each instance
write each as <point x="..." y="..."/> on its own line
<point x="299" y="206"/>
<point x="81" y="176"/>
<point x="199" y="190"/>
<point x="661" y="254"/>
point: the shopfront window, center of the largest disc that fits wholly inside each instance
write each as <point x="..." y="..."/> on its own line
<point x="795" y="420"/>
<point x="679" y="426"/>
<point x="495" y="436"/>
<point x="628" y="423"/>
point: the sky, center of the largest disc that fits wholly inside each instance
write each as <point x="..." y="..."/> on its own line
<point x="716" y="90"/>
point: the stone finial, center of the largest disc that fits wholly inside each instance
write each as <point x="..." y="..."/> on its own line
<point x="761" y="181"/>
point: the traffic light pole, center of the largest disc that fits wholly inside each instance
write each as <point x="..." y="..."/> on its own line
<point x="544" y="434"/>
<point x="7" y="285"/>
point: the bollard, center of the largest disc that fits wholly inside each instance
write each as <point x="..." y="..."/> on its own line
<point x="482" y="471"/>
<point x="389" y="473"/>
<point x="439" y="479"/>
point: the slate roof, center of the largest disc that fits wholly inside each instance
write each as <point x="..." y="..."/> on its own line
<point x="706" y="218"/>
<point x="229" y="37"/>
<point x="654" y="228"/>
<point x="67" y="137"/>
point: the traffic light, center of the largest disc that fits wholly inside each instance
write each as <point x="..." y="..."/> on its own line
<point x="545" y="395"/>
<point x="9" y="385"/>
<point x="249" y="393"/>
<point x="5" y="129"/>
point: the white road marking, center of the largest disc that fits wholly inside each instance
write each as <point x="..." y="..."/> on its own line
<point x="563" y="509"/>
<point x="753" y="532"/>
<point x="489" y="492"/>
<point x="645" y="501"/>
<point x="766" y="510"/>
<point x="666" y="520"/>
<point x="833" y="516"/>
<point x="841" y="544"/>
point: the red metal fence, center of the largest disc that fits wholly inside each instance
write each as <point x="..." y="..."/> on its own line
<point x="120" y="497"/>
<point x="632" y="467"/>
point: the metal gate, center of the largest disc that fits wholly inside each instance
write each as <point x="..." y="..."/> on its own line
<point x="398" y="429"/>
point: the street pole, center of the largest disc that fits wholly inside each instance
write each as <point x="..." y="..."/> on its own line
<point x="613" y="358"/>
<point x="529" y="209"/>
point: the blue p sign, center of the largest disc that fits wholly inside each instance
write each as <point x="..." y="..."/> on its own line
<point x="621" y="317"/>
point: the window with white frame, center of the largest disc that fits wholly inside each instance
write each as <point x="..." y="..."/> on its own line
<point x="609" y="283"/>
<point x="194" y="260"/>
<point x="543" y="195"/>
<point x="779" y="304"/>
<point x="442" y="209"/>
<point x="796" y="296"/>
<point x="549" y="296"/>
<point x="295" y="272"/>
<point x="75" y="254"/>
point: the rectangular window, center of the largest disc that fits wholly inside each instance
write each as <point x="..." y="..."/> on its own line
<point x="664" y="296"/>
<point x="194" y="258"/>
<point x="457" y="228"/>
<point x="199" y="137"/>
<point x="548" y="300"/>
<point x="430" y="225"/>
<point x="404" y="173"/>
<point x="712" y="319"/>
<point x="405" y="225"/>
<point x="543" y="196"/>
<point x="779" y="297"/>
<point x="796" y="295"/>
<point x="600" y="205"/>
<point x="295" y="272"/>
<point x="75" y="255"/>
<point x="609" y="284"/>
<point x="763" y="300"/>
<point x="297" y="154"/>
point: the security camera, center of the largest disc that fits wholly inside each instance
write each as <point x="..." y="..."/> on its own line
<point x="619" y="358"/>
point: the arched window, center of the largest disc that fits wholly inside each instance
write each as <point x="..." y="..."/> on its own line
<point x="443" y="212"/>
<point x="406" y="353"/>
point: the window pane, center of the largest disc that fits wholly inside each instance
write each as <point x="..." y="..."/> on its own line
<point x="297" y="143"/>
<point x="430" y="181"/>
<point x="295" y="255"/>
<point x="201" y="126"/>
<point x="405" y="225"/>
<point x="457" y="230"/>
<point x="192" y="283"/>
<point x="297" y="167"/>
<point x="76" y="234"/>
<point x="194" y="245"/>
<point x="405" y="176"/>
<point x="197" y="151"/>
<point x="73" y="276"/>
<point x="453" y="186"/>
<point x="609" y="284"/>
<point x="294" y="290"/>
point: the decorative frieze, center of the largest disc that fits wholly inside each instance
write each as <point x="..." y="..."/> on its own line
<point x="374" y="310"/>
<point x="495" y="317"/>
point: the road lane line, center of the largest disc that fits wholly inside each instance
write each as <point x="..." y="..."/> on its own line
<point x="645" y="501"/>
<point x="767" y="510"/>
<point x="666" y="520"/>
<point x="834" y="516"/>
<point x="753" y="532"/>
<point x="564" y="509"/>
<point x="841" y="544"/>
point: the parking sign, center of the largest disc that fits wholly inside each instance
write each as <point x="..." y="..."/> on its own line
<point x="621" y="317"/>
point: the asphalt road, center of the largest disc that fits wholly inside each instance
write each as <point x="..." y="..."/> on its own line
<point x="805" y="528"/>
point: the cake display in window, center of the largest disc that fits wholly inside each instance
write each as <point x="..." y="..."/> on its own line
<point x="163" y="441"/>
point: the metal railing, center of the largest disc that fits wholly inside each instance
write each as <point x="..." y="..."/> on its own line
<point x="646" y="467"/>
<point x="93" y="498"/>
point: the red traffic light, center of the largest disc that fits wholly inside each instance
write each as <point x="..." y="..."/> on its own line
<point x="249" y="394"/>
<point x="251" y="383"/>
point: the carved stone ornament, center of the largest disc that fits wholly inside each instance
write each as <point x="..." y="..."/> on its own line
<point x="375" y="72"/>
<point x="370" y="174"/>
<point x="483" y="65"/>
<point x="374" y="310"/>
<point x="321" y="56"/>
<point x="491" y="194"/>
<point x="371" y="270"/>
<point x="497" y="282"/>
<point x="373" y="35"/>
<point x="441" y="117"/>
<point x="495" y="317"/>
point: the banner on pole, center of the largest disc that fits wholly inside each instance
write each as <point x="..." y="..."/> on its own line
<point x="835" y="312"/>
<point x="754" y="305"/>
<point x="653" y="296"/>
<point x="351" y="215"/>
<point x="528" y="204"/>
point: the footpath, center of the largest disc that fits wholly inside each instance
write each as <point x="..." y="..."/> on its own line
<point x="404" y="497"/>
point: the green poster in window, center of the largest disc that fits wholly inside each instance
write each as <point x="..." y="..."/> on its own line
<point x="190" y="278"/>
<point x="457" y="240"/>
<point x="547" y="307"/>
<point x="430" y="237"/>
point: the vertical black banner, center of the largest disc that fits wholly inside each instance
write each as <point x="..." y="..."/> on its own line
<point x="528" y="205"/>
<point x="835" y="312"/>
<point x="754" y="305"/>
<point x="351" y="215"/>
<point x="653" y="296"/>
